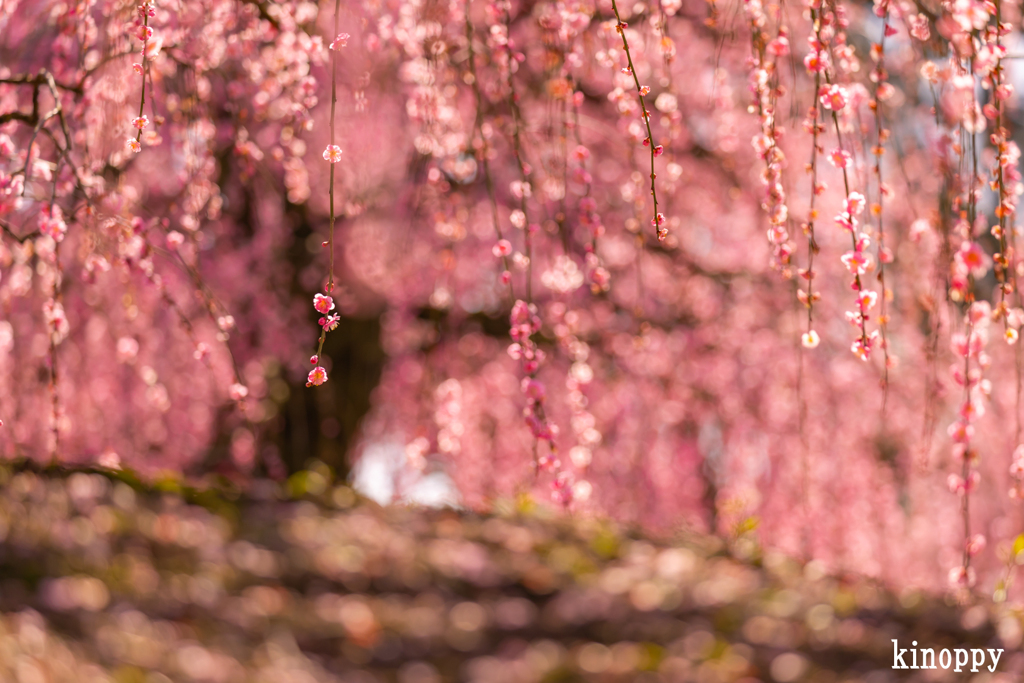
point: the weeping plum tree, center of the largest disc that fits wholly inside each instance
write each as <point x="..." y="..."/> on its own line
<point x="744" y="267"/>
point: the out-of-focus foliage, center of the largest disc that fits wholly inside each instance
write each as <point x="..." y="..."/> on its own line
<point x="104" y="580"/>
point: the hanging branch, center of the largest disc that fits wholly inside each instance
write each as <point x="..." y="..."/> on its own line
<point x="525" y="172"/>
<point x="656" y="150"/>
<point x="815" y="62"/>
<point x="502" y="249"/>
<point x="881" y="85"/>
<point x="146" y="10"/>
<point x="332" y="155"/>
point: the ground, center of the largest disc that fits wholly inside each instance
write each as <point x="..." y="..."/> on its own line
<point x="103" y="578"/>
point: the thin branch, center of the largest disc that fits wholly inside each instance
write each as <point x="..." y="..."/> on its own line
<point x="21" y="239"/>
<point x="478" y="129"/>
<point x="658" y="221"/>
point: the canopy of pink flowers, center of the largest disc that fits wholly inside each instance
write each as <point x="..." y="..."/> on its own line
<point x="736" y="267"/>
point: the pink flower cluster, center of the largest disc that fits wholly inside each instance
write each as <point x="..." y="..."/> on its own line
<point x="340" y="42"/>
<point x="51" y="223"/>
<point x="568" y="484"/>
<point x="56" y="321"/>
<point x="150" y="47"/>
<point x="671" y="369"/>
<point x="323" y="304"/>
<point x="858" y="262"/>
<point x="597" y="275"/>
<point x="1017" y="473"/>
<point x="969" y="346"/>
<point x="765" y="86"/>
<point x="833" y="97"/>
<point x="524" y="324"/>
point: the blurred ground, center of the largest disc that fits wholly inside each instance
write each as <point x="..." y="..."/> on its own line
<point x="103" y="579"/>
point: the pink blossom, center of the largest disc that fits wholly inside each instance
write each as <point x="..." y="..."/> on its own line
<point x="109" y="459"/>
<point x="973" y="259"/>
<point x="961" y="431"/>
<point x="127" y="350"/>
<point x="519" y="189"/>
<point x="960" y="577"/>
<point x="960" y="346"/>
<point x="562" y="488"/>
<point x="972" y="409"/>
<point x="816" y="61"/>
<point x="533" y="389"/>
<point x="866" y="299"/>
<point x="971" y="14"/>
<point x="975" y="544"/>
<point x="317" y="376"/>
<point x="846" y="221"/>
<point x="839" y="157"/>
<point x="778" y="47"/>
<point x="854" y="204"/>
<point x="339" y="42"/>
<point x="919" y="27"/>
<point x="955" y="484"/>
<point x="323" y="304"/>
<point x="51" y="223"/>
<point x="857" y="262"/>
<point x="502" y="248"/>
<point x="56" y="320"/>
<point x="332" y="154"/>
<point x="521" y="313"/>
<point x="980" y="312"/>
<point x="238" y="391"/>
<point x="1015" y="317"/>
<point x="330" y="322"/>
<point x="861" y="349"/>
<point x="202" y="351"/>
<point x="1017" y="468"/>
<point x="833" y="97"/>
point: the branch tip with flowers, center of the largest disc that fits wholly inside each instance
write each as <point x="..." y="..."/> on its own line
<point x="144" y="34"/>
<point x="521" y="189"/>
<point x="815" y="62"/>
<point x="834" y="99"/>
<point x="883" y="90"/>
<point x="324" y="303"/>
<point x="659" y="221"/>
<point x="767" y="89"/>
